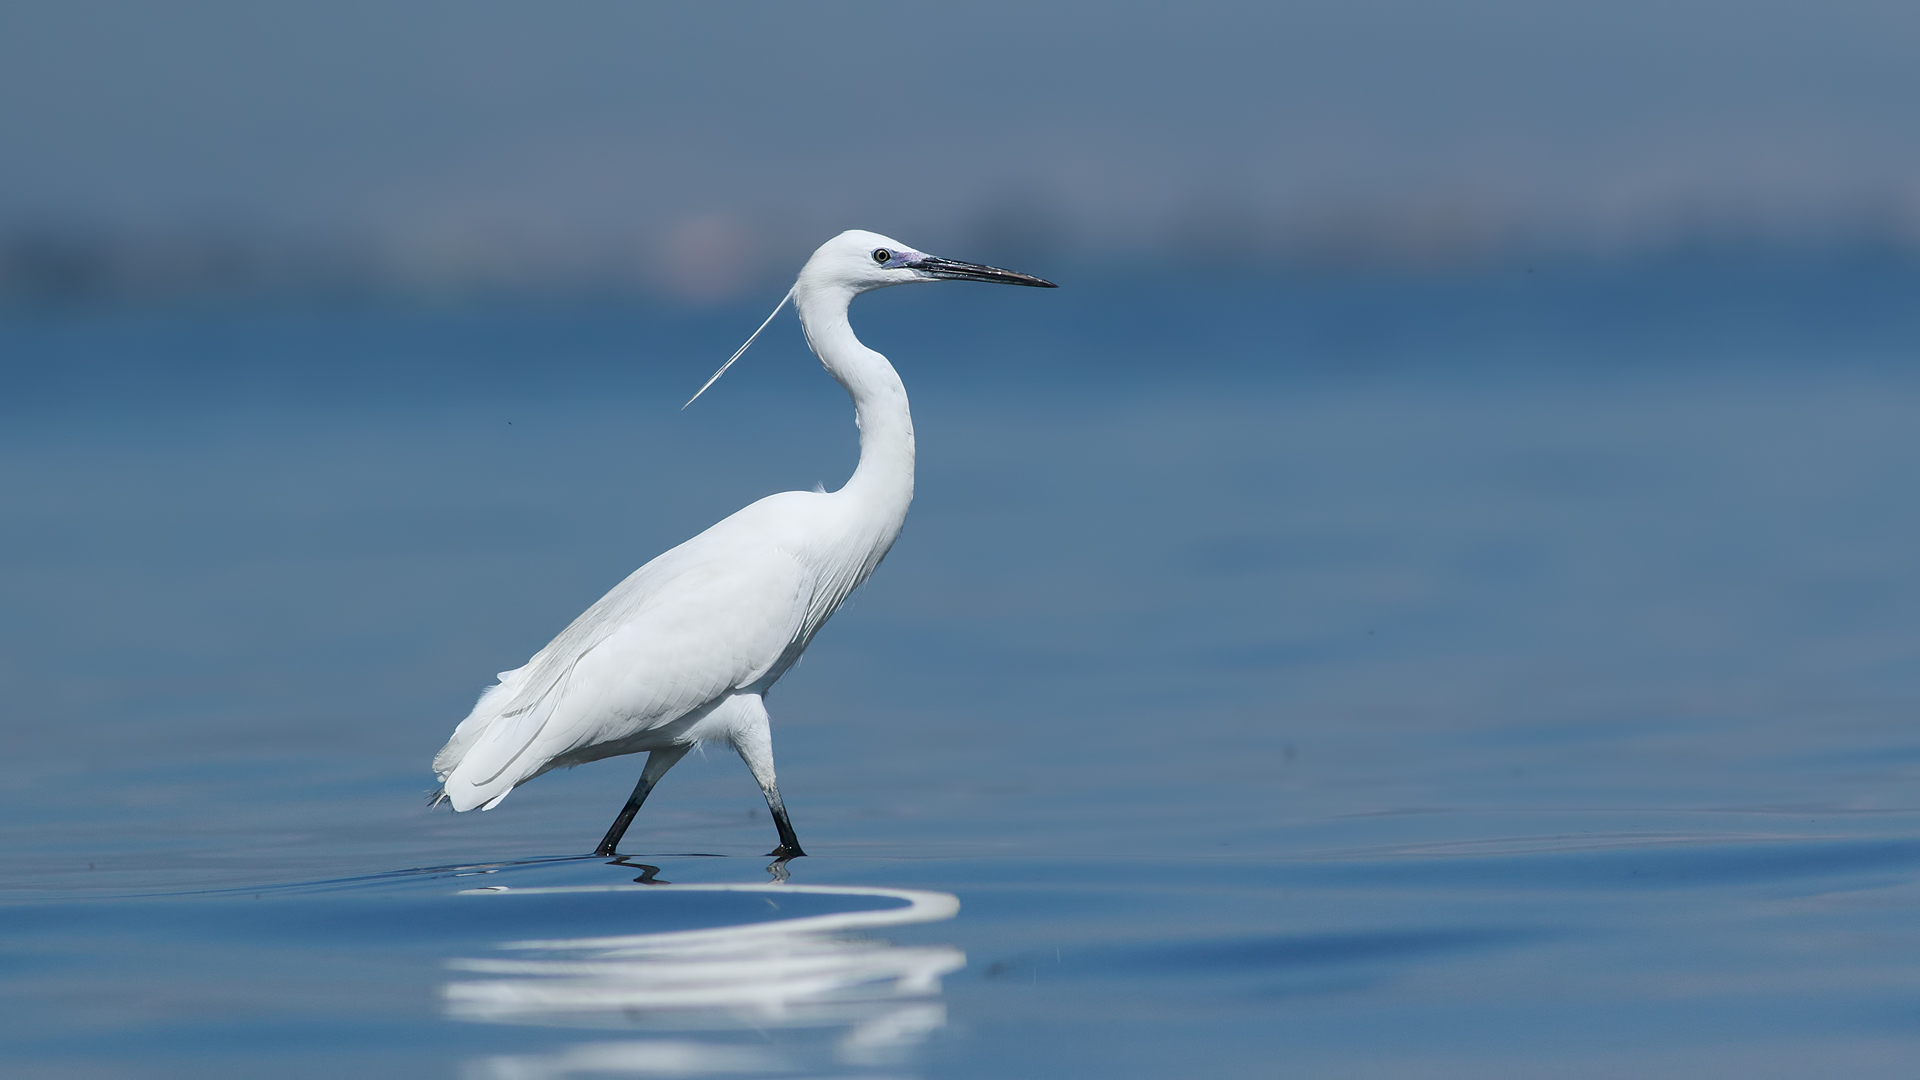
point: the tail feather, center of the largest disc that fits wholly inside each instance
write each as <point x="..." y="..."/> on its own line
<point x="470" y="732"/>
<point x="484" y="712"/>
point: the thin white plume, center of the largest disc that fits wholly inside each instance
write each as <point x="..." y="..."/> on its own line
<point x="738" y="352"/>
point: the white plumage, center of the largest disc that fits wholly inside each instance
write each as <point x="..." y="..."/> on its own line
<point x="686" y="648"/>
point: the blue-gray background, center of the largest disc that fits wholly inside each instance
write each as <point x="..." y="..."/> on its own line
<point x="694" y="149"/>
<point x="1431" y="596"/>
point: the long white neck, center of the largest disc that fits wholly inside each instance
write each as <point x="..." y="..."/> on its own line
<point x="882" y="484"/>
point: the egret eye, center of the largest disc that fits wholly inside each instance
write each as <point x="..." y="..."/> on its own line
<point x="882" y="255"/>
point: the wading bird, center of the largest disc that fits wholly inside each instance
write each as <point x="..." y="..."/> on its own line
<point x="685" y="649"/>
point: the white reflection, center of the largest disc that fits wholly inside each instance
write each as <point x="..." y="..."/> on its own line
<point x="873" y="1001"/>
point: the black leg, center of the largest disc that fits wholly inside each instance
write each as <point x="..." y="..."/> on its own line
<point x="619" y="829"/>
<point x="789" y="844"/>
<point x="658" y="762"/>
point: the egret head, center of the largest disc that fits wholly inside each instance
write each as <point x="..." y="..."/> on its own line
<point x="858" y="260"/>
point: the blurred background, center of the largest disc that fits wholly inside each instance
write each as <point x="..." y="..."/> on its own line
<point x="1432" y="594"/>
<point x="694" y="153"/>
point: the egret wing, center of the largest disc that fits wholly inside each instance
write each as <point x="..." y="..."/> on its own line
<point x="684" y="630"/>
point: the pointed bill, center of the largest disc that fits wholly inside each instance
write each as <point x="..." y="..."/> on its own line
<point x="953" y="270"/>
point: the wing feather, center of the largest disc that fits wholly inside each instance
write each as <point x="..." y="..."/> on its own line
<point x="700" y="621"/>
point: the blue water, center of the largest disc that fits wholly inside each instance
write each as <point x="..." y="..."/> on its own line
<point x="1504" y="674"/>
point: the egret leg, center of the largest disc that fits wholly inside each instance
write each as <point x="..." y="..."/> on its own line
<point x="658" y="762"/>
<point x="753" y="741"/>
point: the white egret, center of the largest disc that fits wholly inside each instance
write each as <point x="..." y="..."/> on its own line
<point x="685" y="649"/>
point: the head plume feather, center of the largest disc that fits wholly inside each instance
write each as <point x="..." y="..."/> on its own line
<point x="741" y="350"/>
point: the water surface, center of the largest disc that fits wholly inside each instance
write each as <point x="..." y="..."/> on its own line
<point x="1497" y="675"/>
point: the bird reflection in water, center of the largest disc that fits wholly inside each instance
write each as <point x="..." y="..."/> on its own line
<point x="845" y="1001"/>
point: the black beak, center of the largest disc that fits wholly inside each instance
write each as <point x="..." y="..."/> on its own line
<point x="949" y="270"/>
